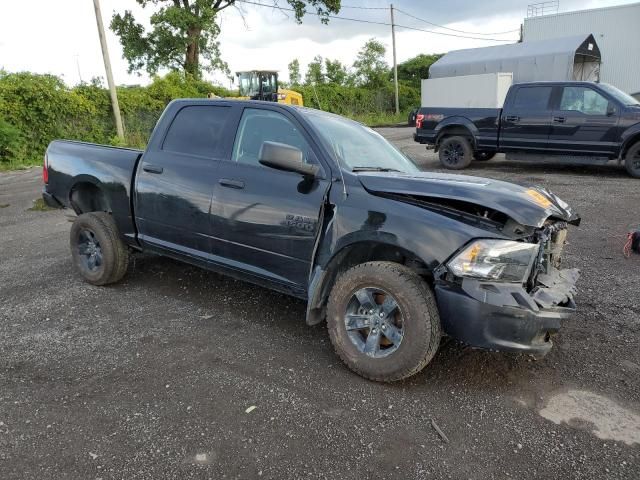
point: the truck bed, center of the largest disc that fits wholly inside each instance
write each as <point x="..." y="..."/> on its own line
<point x="482" y="122"/>
<point x="77" y="166"/>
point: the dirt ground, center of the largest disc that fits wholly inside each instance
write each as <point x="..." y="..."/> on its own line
<point x="153" y="377"/>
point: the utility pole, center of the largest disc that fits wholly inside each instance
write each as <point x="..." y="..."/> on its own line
<point x="78" y="66"/>
<point x="107" y="68"/>
<point x="395" y="63"/>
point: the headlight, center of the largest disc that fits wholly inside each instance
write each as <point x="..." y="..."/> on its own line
<point x="500" y="260"/>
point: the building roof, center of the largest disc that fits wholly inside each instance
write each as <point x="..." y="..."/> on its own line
<point x="615" y="28"/>
<point x="550" y="58"/>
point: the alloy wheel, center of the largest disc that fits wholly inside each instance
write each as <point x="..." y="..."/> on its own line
<point x="374" y="322"/>
<point x="89" y="250"/>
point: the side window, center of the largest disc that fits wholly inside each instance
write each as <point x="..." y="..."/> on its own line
<point x="533" y="99"/>
<point x="583" y="99"/>
<point x="259" y="126"/>
<point x="196" y="130"/>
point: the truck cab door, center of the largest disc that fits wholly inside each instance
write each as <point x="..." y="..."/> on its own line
<point x="265" y="221"/>
<point x="526" y="119"/>
<point x="584" y="123"/>
<point x="175" y="181"/>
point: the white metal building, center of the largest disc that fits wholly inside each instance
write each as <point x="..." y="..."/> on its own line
<point x="616" y="30"/>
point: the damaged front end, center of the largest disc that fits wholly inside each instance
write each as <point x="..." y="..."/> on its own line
<point x="518" y="316"/>
<point x="505" y="291"/>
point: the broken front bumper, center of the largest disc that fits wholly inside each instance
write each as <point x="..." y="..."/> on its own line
<point x="504" y="316"/>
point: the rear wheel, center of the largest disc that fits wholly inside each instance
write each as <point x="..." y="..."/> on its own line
<point x="98" y="253"/>
<point x="383" y="321"/>
<point x="483" y="156"/>
<point x="455" y="153"/>
<point x="632" y="160"/>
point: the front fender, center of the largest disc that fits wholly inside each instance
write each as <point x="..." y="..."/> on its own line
<point x="629" y="137"/>
<point x="365" y="220"/>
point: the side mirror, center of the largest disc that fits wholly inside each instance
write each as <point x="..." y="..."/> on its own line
<point x="611" y="110"/>
<point x="285" y="157"/>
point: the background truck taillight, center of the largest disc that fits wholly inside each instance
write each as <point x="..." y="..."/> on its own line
<point x="419" y="119"/>
<point x="45" y="170"/>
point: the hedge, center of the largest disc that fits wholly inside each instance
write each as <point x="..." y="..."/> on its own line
<point x="35" y="109"/>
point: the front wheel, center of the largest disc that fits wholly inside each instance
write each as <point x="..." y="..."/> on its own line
<point x="632" y="160"/>
<point x="98" y="253"/>
<point x="455" y="153"/>
<point x="383" y="321"/>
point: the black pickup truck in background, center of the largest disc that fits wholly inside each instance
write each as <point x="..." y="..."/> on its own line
<point x="326" y="210"/>
<point x="579" y="122"/>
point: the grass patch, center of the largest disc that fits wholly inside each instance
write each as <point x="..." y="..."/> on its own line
<point x="4" y="205"/>
<point x="12" y="165"/>
<point x="381" y="119"/>
<point x="40" y="206"/>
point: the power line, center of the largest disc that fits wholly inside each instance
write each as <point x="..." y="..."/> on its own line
<point x="453" y="29"/>
<point x="363" y="8"/>
<point x="371" y="22"/>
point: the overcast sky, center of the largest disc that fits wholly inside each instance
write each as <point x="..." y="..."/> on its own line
<point x="60" y="37"/>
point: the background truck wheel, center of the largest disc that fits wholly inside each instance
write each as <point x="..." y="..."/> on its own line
<point x="483" y="156"/>
<point x="455" y="153"/>
<point x="632" y="160"/>
<point x="96" y="248"/>
<point x="383" y="321"/>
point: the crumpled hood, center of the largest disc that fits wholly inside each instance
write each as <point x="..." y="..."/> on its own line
<point x="527" y="205"/>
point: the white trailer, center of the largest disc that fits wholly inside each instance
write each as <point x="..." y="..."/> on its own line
<point x="470" y="91"/>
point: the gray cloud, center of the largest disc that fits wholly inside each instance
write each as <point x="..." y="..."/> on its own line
<point x="474" y="13"/>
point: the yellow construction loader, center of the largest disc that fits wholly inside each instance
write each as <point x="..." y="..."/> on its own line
<point x="263" y="85"/>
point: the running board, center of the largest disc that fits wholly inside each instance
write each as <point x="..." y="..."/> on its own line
<point x="557" y="159"/>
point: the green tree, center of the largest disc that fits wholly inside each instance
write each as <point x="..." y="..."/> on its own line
<point x="315" y="73"/>
<point x="294" y="72"/>
<point x="184" y="31"/>
<point x="370" y="67"/>
<point x="416" y="68"/>
<point x="336" y="72"/>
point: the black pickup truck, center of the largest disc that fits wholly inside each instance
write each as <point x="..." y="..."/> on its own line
<point x="325" y="209"/>
<point x="578" y="122"/>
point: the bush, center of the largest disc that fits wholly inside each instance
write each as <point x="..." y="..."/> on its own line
<point x="35" y="109"/>
<point x="42" y="108"/>
<point x="12" y="145"/>
<point x="358" y="101"/>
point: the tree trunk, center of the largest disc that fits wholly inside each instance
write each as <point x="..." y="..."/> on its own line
<point x="192" y="56"/>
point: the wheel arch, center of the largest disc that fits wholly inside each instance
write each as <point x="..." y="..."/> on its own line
<point x="456" y="126"/>
<point x="87" y="195"/>
<point x="323" y="277"/>
<point x="632" y="139"/>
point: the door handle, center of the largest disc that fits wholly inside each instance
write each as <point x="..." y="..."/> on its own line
<point x="559" y="119"/>
<point x="512" y="118"/>
<point x="147" y="167"/>
<point x="226" y="182"/>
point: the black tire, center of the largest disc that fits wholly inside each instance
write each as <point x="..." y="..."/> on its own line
<point x="416" y="311"/>
<point x="632" y="160"/>
<point x="455" y="153"/>
<point x="483" y="156"/>
<point x="98" y="253"/>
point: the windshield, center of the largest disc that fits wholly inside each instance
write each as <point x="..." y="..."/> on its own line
<point x="249" y="85"/>
<point x="357" y="147"/>
<point x="619" y="95"/>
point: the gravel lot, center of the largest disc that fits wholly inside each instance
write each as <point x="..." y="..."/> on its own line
<point x="152" y="378"/>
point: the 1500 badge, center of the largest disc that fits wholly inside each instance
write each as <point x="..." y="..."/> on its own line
<point x="306" y="224"/>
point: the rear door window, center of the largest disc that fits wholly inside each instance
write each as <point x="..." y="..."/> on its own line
<point x="197" y="130"/>
<point x="532" y="99"/>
